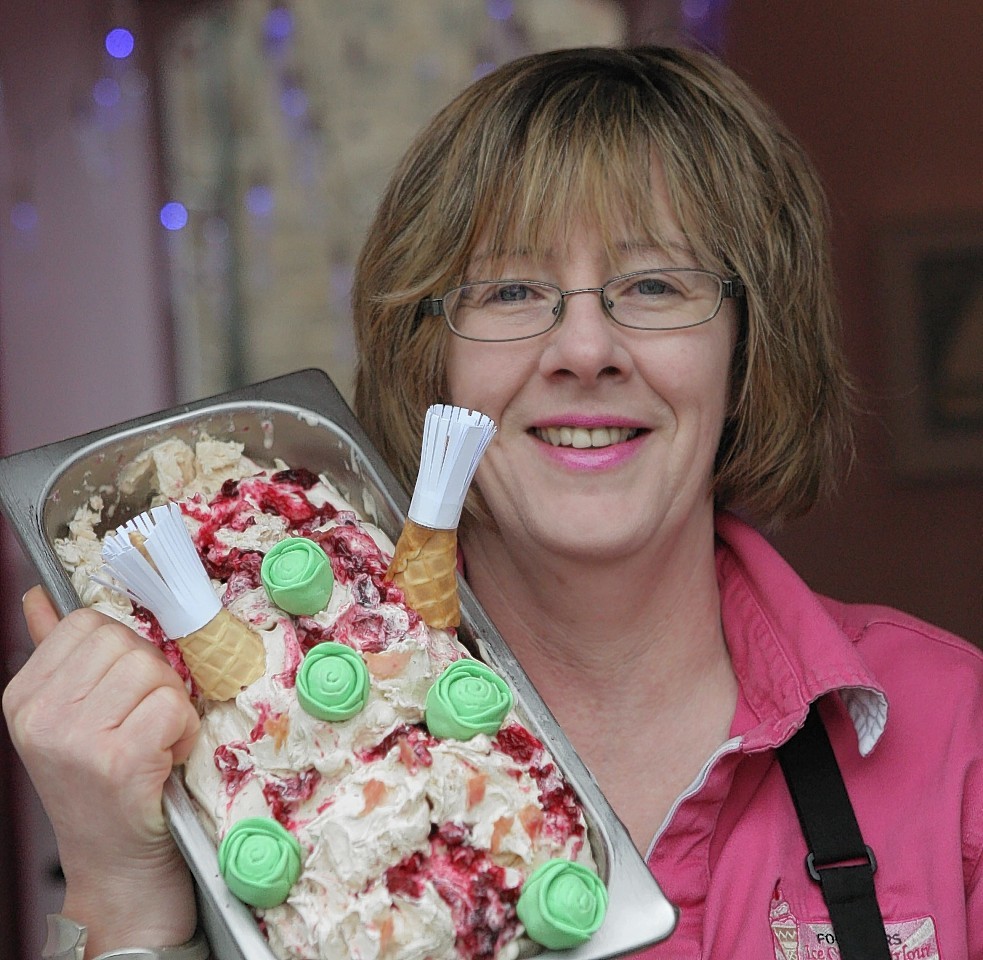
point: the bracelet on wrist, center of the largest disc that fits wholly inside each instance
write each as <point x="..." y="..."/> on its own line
<point x="67" y="939"/>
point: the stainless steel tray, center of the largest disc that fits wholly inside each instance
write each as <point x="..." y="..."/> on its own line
<point x="302" y="419"/>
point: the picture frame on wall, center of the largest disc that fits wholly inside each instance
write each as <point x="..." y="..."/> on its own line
<point x="932" y="284"/>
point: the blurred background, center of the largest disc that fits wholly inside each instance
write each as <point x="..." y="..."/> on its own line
<point x="184" y="187"/>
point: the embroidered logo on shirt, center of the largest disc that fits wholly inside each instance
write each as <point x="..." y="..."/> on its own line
<point x="814" y="939"/>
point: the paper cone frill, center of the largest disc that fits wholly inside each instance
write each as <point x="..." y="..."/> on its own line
<point x="424" y="564"/>
<point x="153" y="561"/>
<point x="454" y="440"/>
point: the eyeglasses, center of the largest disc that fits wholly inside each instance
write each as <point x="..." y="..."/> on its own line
<point x="501" y="310"/>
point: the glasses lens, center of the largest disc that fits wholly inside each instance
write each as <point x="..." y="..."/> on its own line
<point x="502" y="309"/>
<point x="664" y="299"/>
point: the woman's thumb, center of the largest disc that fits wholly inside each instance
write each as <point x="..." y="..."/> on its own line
<point x="39" y="613"/>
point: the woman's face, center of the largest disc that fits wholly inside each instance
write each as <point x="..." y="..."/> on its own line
<point x="652" y="404"/>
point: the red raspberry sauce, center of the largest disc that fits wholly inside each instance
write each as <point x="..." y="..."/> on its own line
<point x="352" y="552"/>
<point x="472" y="885"/>
<point x="284" y="796"/>
<point x="413" y="742"/>
<point x="561" y="811"/>
<point x="234" y="507"/>
<point x="228" y="764"/>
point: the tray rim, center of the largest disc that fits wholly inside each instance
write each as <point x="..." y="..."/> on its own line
<point x="26" y="481"/>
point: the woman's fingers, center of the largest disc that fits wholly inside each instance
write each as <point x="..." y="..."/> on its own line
<point x="99" y="718"/>
<point x="98" y="707"/>
<point x="122" y="676"/>
<point x="52" y="691"/>
<point x="164" y="722"/>
<point x="40" y="614"/>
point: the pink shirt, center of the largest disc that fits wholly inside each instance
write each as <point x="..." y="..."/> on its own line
<point x="906" y="722"/>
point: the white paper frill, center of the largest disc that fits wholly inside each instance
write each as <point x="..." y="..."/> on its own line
<point x="454" y="440"/>
<point x="175" y="587"/>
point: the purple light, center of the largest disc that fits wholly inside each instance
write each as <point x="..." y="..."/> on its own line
<point x="106" y="92"/>
<point x="499" y="9"/>
<point x="706" y="21"/>
<point x="293" y="102"/>
<point x="174" y="215"/>
<point x="482" y="69"/>
<point x="260" y="200"/>
<point x="24" y="216"/>
<point x="696" y="10"/>
<point x="119" y="43"/>
<point x="279" y="25"/>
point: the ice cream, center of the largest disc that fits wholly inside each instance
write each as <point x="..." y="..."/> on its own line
<point x="413" y="842"/>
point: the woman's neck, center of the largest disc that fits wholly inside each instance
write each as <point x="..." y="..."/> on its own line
<point x="645" y="628"/>
<point x="629" y="657"/>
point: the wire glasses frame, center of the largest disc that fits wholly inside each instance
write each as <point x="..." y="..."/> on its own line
<point x="505" y="310"/>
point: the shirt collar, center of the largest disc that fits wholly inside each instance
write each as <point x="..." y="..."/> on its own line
<point x="786" y="647"/>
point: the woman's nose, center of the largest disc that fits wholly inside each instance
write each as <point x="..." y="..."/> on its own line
<point x="585" y="343"/>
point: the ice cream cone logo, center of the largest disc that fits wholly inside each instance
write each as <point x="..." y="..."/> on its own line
<point x="153" y="560"/>
<point x="784" y="928"/>
<point x="786" y="933"/>
<point x="424" y="564"/>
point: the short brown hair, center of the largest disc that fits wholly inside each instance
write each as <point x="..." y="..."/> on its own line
<point x="576" y="130"/>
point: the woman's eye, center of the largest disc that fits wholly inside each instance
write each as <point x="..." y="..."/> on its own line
<point x="653" y="286"/>
<point x="512" y="293"/>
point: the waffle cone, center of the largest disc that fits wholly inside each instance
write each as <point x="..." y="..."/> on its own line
<point x="223" y="656"/>
<point x="424" y="567"/>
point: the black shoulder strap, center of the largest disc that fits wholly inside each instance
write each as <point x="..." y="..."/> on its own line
<point x="839" y="860"/>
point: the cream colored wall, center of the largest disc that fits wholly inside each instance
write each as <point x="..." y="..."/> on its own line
<point x="315" y="114"/>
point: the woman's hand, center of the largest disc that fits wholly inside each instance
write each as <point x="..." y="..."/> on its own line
<point x="99" y="718"/>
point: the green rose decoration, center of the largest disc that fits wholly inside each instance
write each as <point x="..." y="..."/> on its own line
<point x="332" y="682"/>
<point x="562" y="904"/>
<point x="467" y="699"/>
<point x="297" y="576"/>
<point x="260" y="861"/>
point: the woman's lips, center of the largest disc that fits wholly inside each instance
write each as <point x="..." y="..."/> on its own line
<point x="589" y="448"/>
<point x="583" y="438"/>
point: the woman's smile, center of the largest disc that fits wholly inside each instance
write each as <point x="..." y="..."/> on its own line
<point x="583" y="438"/>
<point x="580" y="444"/>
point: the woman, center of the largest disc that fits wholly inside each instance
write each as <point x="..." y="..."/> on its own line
<point x="621" y="257"/>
